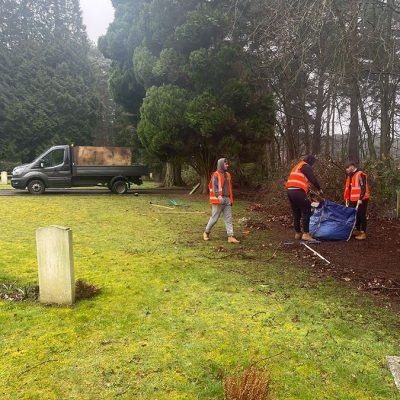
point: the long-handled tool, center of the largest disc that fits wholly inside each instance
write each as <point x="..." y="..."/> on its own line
<point x="315" y="252"/>
<point x="355" y="221"/>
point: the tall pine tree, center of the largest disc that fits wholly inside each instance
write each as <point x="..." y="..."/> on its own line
<point x="178" y="66"/>
<point x="47" y="88"/>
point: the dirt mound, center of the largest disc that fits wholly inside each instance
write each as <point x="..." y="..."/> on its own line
<point x="84" y="290"/>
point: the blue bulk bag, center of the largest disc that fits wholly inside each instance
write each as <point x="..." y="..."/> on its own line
<point x="332" y="221"/>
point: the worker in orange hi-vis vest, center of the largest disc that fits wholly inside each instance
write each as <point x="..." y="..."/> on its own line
<point x="298" y="185"/>
<point x="356" y="194"/>
<point x="221" y="199"/>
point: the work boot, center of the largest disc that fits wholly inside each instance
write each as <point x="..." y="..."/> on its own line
<point x="355" y="232"/>
<point x="206" y="236"/>
<point x="232" y="239"/>
<point x="307" y="236"/>
<point x="298" y="235"/>
<point x="361" y="236"/>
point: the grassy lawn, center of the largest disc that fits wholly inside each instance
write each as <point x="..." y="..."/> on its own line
<point x="175" y="315"/>
<point x="6" y="187"/>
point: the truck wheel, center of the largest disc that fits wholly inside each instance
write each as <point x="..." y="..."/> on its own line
<point x="36" y="187"/>
<point x="119" y="187"/>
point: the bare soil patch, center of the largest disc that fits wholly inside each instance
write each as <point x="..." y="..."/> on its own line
<point x="372" y="265"/>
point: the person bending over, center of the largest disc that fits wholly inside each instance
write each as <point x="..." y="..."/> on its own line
<point x="298" y="185"/>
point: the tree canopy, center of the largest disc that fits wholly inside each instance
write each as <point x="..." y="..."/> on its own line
<point x="47" y="89"/>
<point x="247" y="79"/>
<point x="188" y="82"/>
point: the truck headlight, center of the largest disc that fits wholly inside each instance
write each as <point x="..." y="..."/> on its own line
<point x="17" y="170"/>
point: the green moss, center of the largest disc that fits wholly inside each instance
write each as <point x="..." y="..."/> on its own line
<point x="174" y="313"/>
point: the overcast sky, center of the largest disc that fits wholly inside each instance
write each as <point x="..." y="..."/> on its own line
<point x="97" y="15"/>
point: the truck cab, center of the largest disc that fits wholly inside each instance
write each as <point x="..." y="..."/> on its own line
<point x="50" y="169"/>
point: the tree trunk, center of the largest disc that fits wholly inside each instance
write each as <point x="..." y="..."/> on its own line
<point x="178" y="175"/>
<point x="353" y="149"/>
<point x="328" y="126"/>
<point x="370" y="138"/>
<point x="354" y="123"/>
<point x="316" y="139"/>
<point x="287" y="128"/>
<point x="173" y="174"/>
<point x="205" y="169"/>
<point x="270" y="162"/>
<point x="385" y="117"/>
<point x="385" y="52"/>
<point x="203" y="164"/>
<point x="204" y="181"/>
<point x="333" y="124"/>
<point x="291" y="143"/>
<point x="307" y="134"/>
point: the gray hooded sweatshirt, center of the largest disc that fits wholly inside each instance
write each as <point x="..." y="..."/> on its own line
<point x="225" y="189"/>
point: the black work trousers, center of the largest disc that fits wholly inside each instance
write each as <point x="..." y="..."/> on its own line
<point x="361" y="220"/>
<point x="301" y="209"/>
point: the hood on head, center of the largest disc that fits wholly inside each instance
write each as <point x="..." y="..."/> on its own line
<point x="350" y="163"/>
<point x="310" y="159"/>
<point x="220" y="165"/>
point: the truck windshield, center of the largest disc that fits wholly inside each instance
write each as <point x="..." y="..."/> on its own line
<point x="55" y="157"/>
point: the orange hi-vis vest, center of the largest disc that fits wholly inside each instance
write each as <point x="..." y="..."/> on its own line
<point x="297" y="179"/>
<point x="221" y="180"/>
<point x="352" y="192"/>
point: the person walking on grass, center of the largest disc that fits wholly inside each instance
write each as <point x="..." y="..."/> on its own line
<point x="356" y="194"/>
<point x="298" y="185"/>
<point x="221" y="199"/>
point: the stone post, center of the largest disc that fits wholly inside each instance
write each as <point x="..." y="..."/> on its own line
<point x="394" y="366"/>
<point x="56" y="265"/>
<point x="3" y="179"/>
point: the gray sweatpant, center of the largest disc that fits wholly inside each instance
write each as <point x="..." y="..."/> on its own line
<point x="216" y="211"/>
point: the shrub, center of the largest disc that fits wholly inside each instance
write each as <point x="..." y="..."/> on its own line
<point x="250" y="384"/>
<point x="8" y="165"/>
<point x="384" y="180"/>
<point x="189" y="175"/>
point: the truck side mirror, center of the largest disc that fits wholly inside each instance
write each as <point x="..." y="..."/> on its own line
<point x="41" y="164"/>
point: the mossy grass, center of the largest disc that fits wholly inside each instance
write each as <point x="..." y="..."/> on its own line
<point x="6" y="187"/>
<point x="175" y="316"/>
